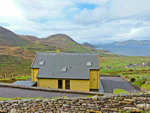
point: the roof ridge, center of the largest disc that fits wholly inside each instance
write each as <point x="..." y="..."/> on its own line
<point x="68" y="53"/>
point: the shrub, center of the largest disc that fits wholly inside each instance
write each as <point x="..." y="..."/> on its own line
<point x="16" y="98"/>
<point x="13" y="78"/>
<point x="126" y="76"/>
<point x="147" y="82"/>
<point x="132" y="79"/>
<point x="130" y="69"/>
<point x="143" y="79"/>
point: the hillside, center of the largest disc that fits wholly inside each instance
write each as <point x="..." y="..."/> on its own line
<point x="14" y="65"/>
<point x="14" y="60"/>
<point x="33" y="39"/>
<point x="133" y="42"/>
<point x="88" y="45"/>
<point x="63" y="41"/>
<point x="9" y="38"/>
<point x="53" y="42"/>
<point x="16" y="52"/>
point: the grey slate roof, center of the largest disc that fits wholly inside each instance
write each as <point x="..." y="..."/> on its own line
<point x="24" y="83"/>
<point x="76" y="64"/>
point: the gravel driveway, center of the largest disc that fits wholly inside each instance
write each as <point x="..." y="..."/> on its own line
<point x="111" y="83"/>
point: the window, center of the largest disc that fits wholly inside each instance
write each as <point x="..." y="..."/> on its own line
<point x="89" y="64"/>
<point x="64" y="69"/>
<point x="42" y="63"/>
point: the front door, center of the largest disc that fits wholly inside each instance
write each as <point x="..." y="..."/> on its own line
<point x="93" y="79"/>
<point x="60" y="84"/>
<point x="67" y="84"/>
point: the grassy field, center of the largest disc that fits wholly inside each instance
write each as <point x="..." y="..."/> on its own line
<point x="118" y="64"/>
<point x="14" y="65"/>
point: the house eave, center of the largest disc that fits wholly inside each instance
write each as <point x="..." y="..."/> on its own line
<point x="62" y="78"/>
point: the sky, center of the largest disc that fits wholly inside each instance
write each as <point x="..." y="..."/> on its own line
<point x="93" y="21"/>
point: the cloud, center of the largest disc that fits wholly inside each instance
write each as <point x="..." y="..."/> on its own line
<point x="91" y="1"/>
<point x="114" y="10"/>
<point x="43" y="9"/>
<point x="111" y="20"/>
<point x="88" y="17"/>
<point x="126" y="8"/>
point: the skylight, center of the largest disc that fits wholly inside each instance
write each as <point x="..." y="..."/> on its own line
<point x="42" y="63"/>
<point x="64" y="69"/>
<point x="89" y="64"/>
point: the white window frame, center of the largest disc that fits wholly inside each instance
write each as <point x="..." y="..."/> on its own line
<point x="63" y="69"/>
<point x="41" y="63"/>
<point x="89" y="64"/>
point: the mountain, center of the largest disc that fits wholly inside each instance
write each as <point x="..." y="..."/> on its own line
<point x="65" y="43"/>
<point x="35" y="44"/>
<point x="88" y="45"/>
<point x="9" y="38"/>
<point x="133" y="42"/>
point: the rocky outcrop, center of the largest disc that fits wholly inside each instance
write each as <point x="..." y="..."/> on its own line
<point x="114" y="103"/>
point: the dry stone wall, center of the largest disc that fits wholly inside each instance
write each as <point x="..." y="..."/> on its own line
<point x="114" y="103"/>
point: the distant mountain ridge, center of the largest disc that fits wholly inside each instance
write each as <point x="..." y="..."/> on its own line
<point x="35" y="44"/>
<point x="132" y="42"/>
<point x="8" y="38"/>
<point x="88" y="45"/>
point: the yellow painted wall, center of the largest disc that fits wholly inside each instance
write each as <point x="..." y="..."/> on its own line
<point x="63" y="84"/>
<point x="51" y="83"/>
<point x="94" y="79"/>
<point x="82" y="85"/>
<point x="34" y="73"/>
<point x="98" y="79"/>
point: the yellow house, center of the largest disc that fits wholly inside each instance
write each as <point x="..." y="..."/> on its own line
<point x="74" y="71"/>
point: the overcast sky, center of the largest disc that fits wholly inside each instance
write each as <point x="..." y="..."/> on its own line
<point x="93" y="21"/>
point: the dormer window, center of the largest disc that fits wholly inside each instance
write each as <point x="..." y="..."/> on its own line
<point x="41" y="63"/>
<point x="89" y="64"/>
<point x="64" y="69"/>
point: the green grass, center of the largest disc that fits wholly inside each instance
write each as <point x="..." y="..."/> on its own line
<point x="50" y="51"/>
<point x="89" y="96"/>
<point x="119" y="91"/>
<point x="18" y="98"/>
<point x="137" y="84"/>
<point x="146" y="86"/>
<point x="22" y="78"/>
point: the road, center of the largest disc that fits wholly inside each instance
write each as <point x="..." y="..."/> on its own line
<point x="15" y="92"/>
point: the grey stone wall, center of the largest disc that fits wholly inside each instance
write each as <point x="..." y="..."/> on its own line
<point x="114" y="103"/>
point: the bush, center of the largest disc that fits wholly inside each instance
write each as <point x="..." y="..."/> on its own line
<point x="126" y="77"/>
<point x="16" y="98"/>
<point x="130" y="69"/>
<point x="13" y="78"/>
<point x="132" y="79"/>
<point x="143" y="79"/>
<point x="147" y="82"/>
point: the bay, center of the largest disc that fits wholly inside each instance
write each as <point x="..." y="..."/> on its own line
<point x="128" y="50"/>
